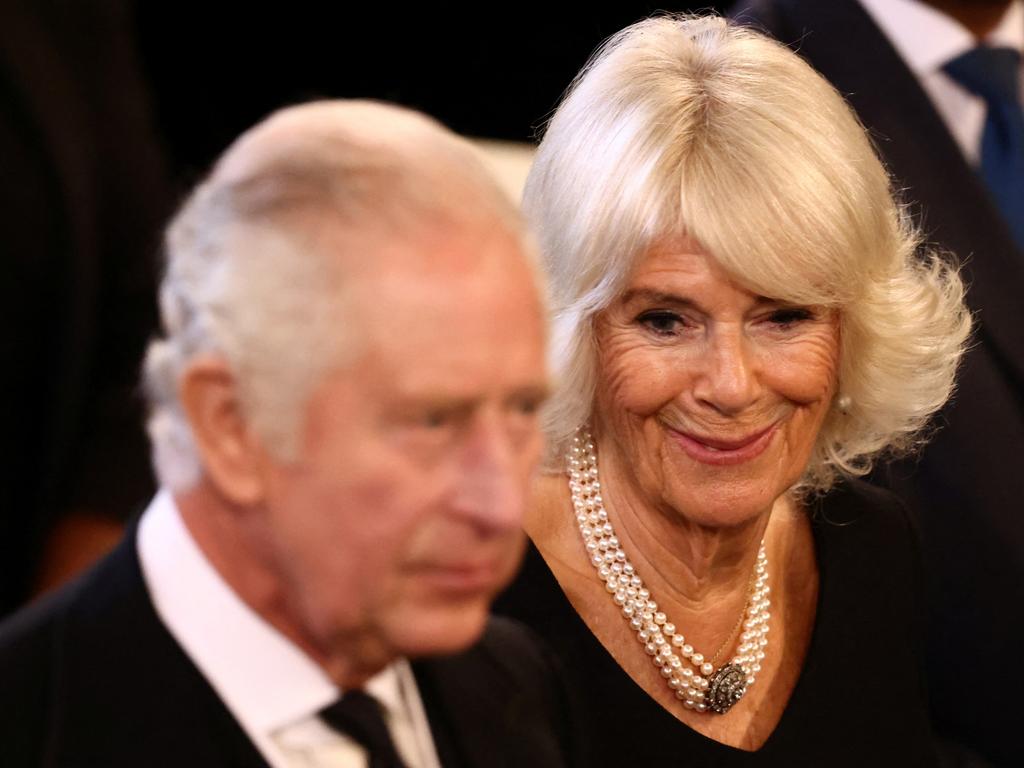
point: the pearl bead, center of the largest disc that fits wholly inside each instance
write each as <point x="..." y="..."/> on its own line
<point x="706" y="668"/>
<point x="687" y="650"/>
<point x="697" y="659"/>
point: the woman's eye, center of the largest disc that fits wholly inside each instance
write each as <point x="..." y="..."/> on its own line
<point x="662" y="322"/>
<point x="788" y="316"/>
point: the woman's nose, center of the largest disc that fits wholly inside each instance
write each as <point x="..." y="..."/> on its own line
<point x="728" y="379"/>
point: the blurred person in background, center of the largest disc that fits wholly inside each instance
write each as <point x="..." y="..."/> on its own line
<point x="82" y="195"/>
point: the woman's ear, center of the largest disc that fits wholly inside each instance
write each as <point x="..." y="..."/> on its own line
<point x="229" y="450"/>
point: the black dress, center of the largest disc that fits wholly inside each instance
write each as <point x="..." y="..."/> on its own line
<point x="860" y="700"/>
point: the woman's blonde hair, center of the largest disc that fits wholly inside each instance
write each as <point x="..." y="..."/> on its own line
<point x="693" y="126"/>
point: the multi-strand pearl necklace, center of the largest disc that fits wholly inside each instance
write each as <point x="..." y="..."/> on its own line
<point x="693" y="679"/>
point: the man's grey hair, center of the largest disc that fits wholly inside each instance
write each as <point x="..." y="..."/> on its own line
<point x="253" y="257"/>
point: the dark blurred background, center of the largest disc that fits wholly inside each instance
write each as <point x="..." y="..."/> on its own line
<point x="492" y="70"/>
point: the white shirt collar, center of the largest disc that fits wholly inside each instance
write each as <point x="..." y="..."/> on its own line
<point x="927" y="38"/>
<point x="264" y="679"/>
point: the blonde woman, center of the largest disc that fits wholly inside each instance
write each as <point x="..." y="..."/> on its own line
<point x="743" y="320"/>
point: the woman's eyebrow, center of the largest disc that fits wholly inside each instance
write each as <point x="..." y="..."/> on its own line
<point x="667" y="298"/>
<point x="651" y="296"/>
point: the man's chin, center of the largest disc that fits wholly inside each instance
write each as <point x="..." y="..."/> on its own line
<point x="440" y="632"/>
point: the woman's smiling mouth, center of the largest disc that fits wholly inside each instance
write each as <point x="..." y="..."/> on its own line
<point x="721" y="451"/>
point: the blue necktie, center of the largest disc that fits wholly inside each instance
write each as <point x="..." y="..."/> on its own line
<point x="994" y="75"/>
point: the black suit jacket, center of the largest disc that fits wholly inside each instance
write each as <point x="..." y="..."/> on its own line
<point x="91" y="678"/>
<point x="968" y="486"/>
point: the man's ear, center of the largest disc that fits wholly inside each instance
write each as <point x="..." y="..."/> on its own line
<point x="229" y="450"/>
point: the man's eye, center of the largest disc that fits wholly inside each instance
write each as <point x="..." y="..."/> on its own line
<point x="661" y="322"/>
<point x="526" y="406"/>
<point x="788" y="316"/>
<point x="436" y="418"/>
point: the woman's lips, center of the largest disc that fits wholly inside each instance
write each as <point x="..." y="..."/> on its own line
<point x="724" y="451"/>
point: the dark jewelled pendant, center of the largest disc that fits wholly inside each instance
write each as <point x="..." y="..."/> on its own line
<point x="727" y="686"/>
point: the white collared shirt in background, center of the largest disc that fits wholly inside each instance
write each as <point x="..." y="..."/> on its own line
<point x="270" y="686"/>
<point x="927" y="39"/>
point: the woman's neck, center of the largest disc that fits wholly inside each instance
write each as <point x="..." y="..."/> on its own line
<point x="700" y="576"/>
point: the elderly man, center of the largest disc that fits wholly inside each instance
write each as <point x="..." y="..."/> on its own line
<point x="344" y="422"/>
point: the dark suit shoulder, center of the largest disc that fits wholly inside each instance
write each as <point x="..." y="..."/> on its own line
<point x="28" y="652"/>
<point x="502" y="702"/>
<point x="96" y="680"/>
<point x="512" y="649"/>
<point x="860" y="504"/>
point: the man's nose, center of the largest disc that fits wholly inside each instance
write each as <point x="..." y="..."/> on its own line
<point x="728" y="378"/>
<point x="492" y="490"/>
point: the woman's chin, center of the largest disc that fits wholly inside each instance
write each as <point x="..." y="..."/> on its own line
<point x="723" y="504"/>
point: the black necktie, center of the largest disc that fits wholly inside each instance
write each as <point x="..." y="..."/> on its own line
<point x="994" y="75"/>
<point x="358" y="715"/>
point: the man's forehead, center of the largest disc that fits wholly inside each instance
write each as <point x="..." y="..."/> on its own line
<point x="426" y="246"/>
<point x="456" y="296"/>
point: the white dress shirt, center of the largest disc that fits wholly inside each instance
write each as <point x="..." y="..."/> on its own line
<point x="270" y="686"/>
<point x="927" y="39"/>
